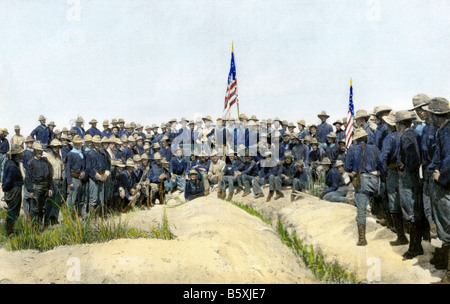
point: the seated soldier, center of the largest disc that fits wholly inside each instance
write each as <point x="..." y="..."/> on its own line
<point x="194" y="186"/>
<point x="230" y="175"/>
<point x="285" y="174"/>
<point x="215" y="170"/>
<point x="266" y="168"/>
<point x="335" y="187"/>
<point x="300" y="179"/>
<point x="249" y="172"/>
<point x="157" y="178"/>
<point x="203" y="168"/>
<point x="177" y="169"/>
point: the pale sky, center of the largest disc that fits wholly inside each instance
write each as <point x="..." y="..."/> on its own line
<point x="149" y="61"/>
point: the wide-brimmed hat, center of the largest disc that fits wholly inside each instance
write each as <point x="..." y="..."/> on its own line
<point x="301" y="122"/>
<point x="438" y="105"/>
<point x="38" y="146"/>
<point x="207" y="118"/>
<point x="251" y="123"/>
<point x="338" y="163"/>
<point x="291" y="125"/>
<point x="325" y="161"/>
<point x="131" y="139"/>
<point x="390" y="119"/>
<point x="332" y="135"/>
<point x="172" y="120"/>
<point x="96" y="139"/>
<point x="5" y="131"/>
<point x="154" y="126"/>
<point x="193" y="171"/>
<point x="16" y="127"/>
<point x="157" y="156"/>
<point x="88" y="137"/>
<point x="402" y="115"/>
<point x="338" y="122"/>
<point x="129" y="163"/>
<point x="156" y="145"/>
<point x="165" y="138"/>
<point x="105" y="139"/>
<point x="55" y="143"/>
<point x="361" y="114"/>
<point x="420" y="100"/>
<point x="381" y="109"/>
<point x="105" y="123"/>
<point x="314" y="141"/>
<point x="29" y="139"/>
<point x="16" y="149"/>
<point x="77" y="139"/>
<point x="121" y="120"/>
<point x="79" y="119"/>
<point x="144" y="156"/>
<point x="359" y="133"/>
<point x="41" y="117"/>
<point x="254" y="118"/>
<point x="323" y="113"/>
<point x="137" y="158"/>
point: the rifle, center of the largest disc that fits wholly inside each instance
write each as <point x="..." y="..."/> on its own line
<point x="131" y="203"/>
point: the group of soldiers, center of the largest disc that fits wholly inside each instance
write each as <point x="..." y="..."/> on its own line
<point x="398" y="163"/>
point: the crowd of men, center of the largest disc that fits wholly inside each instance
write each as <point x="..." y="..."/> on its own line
<point x="398" y="164"/>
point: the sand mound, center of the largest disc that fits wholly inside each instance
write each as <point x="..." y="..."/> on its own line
<point x="217" y="242"/>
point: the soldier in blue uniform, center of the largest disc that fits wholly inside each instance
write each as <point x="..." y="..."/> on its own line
<point x="41" y="133"/>
<point x="12" y="187"/>
<point x="79" y="127"/>
<point x="76" y="177"/>
<point x="382" y="130"/>
<point x="324" y="128"/>
<point x="266" y="167"/>
<point x="194" y="186"/>
<point x="362" y="121"/>
<point x="335" y="187"/>
<point x="363" y="158"/>
<point x="38" y="180"/>
<point x="439" y="109"/>
<point x="4" y="149"/>
<point x="410" y="184"/>
<point x="390" y="174"/>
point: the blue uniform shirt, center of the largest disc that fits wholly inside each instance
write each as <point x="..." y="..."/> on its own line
<point x="322" y="132"/>
<point x="12" y="177"/>
<point x="353" y="158"/>
<point x="41" y="133"/>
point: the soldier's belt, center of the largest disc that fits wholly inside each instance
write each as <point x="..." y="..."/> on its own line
<point x="42" y="184"/>
<point x="75" y="175"/>
<point x="101" y="172"/>
<point x="394" y="165"/>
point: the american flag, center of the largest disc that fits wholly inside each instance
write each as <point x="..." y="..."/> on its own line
<point x="231" y="96"/>
<point x="350" y="114"/>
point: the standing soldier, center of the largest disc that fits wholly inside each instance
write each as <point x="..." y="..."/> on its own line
<point x="17" y="138"/>
<point x="41" y="133"/>
<point x="38" y="180"/>
<point x="439" y="109"/>
<point x="75" y="174"/>
<point x="382" y="131"/>
<point x="53" y="205"/>
<point x="79" y="127"/>
<point x="97" y="170"/>
<point x="390" y="173"/>
<point x="106" y="130"/>
<point x="93" y="129"/>
<point x="410" y="184"/>
<point x="51" y="132"/>
<point x="362" y="161"/>
<point x="12" y="187"/>
<point x="362" y="121"/>
<point x="4" y="149"/>
<point x="324" y="128"/>
<point x="427" y="144"/>
<point x="27" y="155"/>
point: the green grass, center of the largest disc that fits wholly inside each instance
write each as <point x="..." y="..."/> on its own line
<point x="71" y="230"/>
<point x="252" y="211"/>
<point x="315" y="261"/>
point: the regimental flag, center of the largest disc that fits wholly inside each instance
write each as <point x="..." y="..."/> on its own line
<point x="350" y="114"/>
<point x="231" y="96"/>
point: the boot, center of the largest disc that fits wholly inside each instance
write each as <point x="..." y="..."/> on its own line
<point x="9" y="225"/>
<point x="415" y="246"/>
<point x="439" y="259"/>
<point x="279" y="194"/>
<point x="446" y="278"/>
<point x="433" y="231"/>
<point x="361" y="235"/>
<point x="398" y="224"/>
<point x="259" y="195"/>
<point x="238" y="189"/>
<point x="245" y="194"/>
<point x="230" y="196"/>
<point x="269" y="196"/>
<point x="28" y="217"/>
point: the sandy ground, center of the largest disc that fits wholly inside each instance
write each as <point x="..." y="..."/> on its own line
<point x="217" y="242"/>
